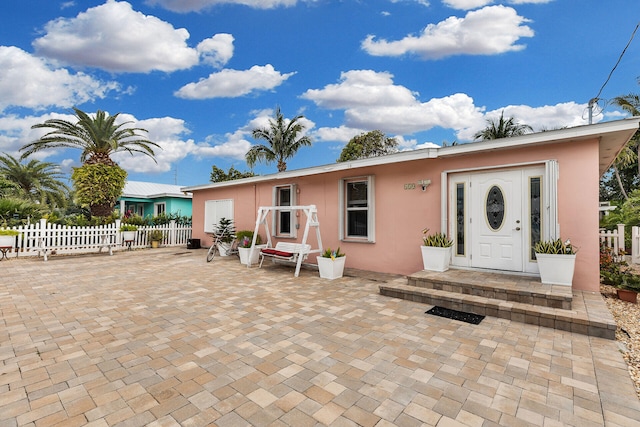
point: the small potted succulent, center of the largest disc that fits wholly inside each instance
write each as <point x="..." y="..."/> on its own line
<point x="436" y="251"/>
<point x="331" y="264"/>
<point x="556" y="261"/>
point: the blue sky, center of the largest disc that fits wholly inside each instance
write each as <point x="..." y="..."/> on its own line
<point x="201" y="74"/>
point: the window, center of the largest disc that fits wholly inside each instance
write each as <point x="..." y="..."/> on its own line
<point x="535" y="216"/>
<point x="159" y="208"/>
<point x="460" y="218"/>
<point x="214" y="210"/>
<point x="284" y="220"/>
<point x="357" y="209"/>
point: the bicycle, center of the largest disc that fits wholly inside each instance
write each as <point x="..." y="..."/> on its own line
<point x="221" y="237"/>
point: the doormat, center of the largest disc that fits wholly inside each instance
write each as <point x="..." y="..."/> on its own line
<point x="474" y="319"/>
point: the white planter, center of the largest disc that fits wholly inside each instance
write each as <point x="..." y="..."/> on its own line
<point x="255" y="257"/>
<point x="223" y="248"/>
<point x="129" y="236"/>
<point x="7" y="240"/>
<point x="556" y="269"/>
<point x="435" y="258"/>
<point x="331" y="269"/>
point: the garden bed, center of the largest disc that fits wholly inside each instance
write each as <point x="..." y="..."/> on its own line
<point x="627" y="317"/>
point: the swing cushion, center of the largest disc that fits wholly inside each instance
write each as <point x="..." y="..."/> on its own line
<point x="275" y="252"/>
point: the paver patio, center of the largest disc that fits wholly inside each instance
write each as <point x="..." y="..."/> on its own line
<point x="161" y="338"/>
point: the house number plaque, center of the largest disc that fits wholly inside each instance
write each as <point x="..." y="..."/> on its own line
<point x="410" y="186"/>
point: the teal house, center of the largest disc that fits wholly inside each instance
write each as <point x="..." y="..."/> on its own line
<point x="152" y="199"/>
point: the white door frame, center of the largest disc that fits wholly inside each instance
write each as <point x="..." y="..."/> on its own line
<point x="548" y="170"/>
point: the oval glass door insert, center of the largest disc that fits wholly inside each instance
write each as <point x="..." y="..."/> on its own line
<point x="495" y="208"/>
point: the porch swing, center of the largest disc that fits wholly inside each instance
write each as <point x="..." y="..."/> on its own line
<point x="292" y="252"/>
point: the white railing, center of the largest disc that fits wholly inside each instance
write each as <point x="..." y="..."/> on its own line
<point x="69" y="240"/>
<point x="635" y="245"/>
<point x="613" y="239"/>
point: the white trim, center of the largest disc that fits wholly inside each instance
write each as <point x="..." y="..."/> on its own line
<point x="156" y="207"/>
<point x="549" y="171"/>
<point x="371" y="223"/>
<point x="293" y="224"/>
<point x="550" y="225"/>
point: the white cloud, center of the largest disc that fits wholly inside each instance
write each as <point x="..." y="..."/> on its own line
<point x="372" y="101"/>
<point x="217" y="50"/>
<point x="474" y="4"/>
<point x="116" y="38"/>
<point x="15" y="132"/>
<point x="488" y="31"/>
<point x="546" y="117"/>
<point x="183" y="6"/>
<point x="232" y="83"/>
<point x="466" y="4"/>
<point x="339" y="134"/>
<point x="31" y="82"/>
<point x="406" y="115"/>
<point x="361" y="88"/>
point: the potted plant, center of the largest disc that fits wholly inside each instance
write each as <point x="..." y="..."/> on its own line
<point x="225" y="231"/>
<point x="128" y="232"/>
<point x="556" y="261"/>
<point x="628" y="286"/>
<point x="156" y="236"/>
<point x="245" y="238"/>
<point x="436" y="251"/>
<point x="331" y="264"/>
<point x="8" y="237"/>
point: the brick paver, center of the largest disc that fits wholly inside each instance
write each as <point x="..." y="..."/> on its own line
<point x="162" y="338"/>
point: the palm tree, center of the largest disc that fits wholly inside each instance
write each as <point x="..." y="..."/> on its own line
<point x="100" y="180"/>
<point x="36" y="180"/>
<point x="631" y="104"/>
<point x="98" y="137"/>
<point x="282" y="139"/>
<point x="502" y="128"/>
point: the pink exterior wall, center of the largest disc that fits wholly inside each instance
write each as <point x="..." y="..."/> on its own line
<point x="400" y="215"/>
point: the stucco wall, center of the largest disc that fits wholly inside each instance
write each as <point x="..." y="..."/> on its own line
<point x="401" y="214"/>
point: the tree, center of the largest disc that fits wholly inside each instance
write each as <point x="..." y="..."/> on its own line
<point x="219" y="175"/>
<point x="368" y="144"/>
<point x="98" y="137"/>
<point x="502" y="128"/>
<point x="282" y="141"/>
<point x="36" y="181"/>
<point x="631" y="104"/>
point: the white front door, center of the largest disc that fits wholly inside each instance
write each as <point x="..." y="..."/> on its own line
<point x="496" y="220"/>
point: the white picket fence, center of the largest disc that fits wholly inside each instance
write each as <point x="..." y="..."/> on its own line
<point x="615" y="240"/>
<point x="71" y="240"/>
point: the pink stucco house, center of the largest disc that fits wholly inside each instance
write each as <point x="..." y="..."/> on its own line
<point x="545" y="185"/>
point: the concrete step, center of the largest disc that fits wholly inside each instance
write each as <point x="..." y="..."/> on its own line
<point x="592" y="321"/>
<point x="504" y="287"/>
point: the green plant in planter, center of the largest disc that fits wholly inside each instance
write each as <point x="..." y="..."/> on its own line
<point x="156" y="235"/>
<point x="332" y="254"/>
<point x="629" y="281"/>
<point x="9" y="232"/>
<point x="128" y="227"/>
<point x="226" y="229"/>
<point x="245" y="237"/>
<point x="438" y="240"/>
<point x="555" y="247"/>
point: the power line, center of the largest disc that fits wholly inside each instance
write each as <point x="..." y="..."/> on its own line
<point x="597" y="97"/>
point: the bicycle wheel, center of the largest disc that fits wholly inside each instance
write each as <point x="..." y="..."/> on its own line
<point x="212" y="253"/>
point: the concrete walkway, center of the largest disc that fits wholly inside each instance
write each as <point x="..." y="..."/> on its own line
<point x="161" y="338"/>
